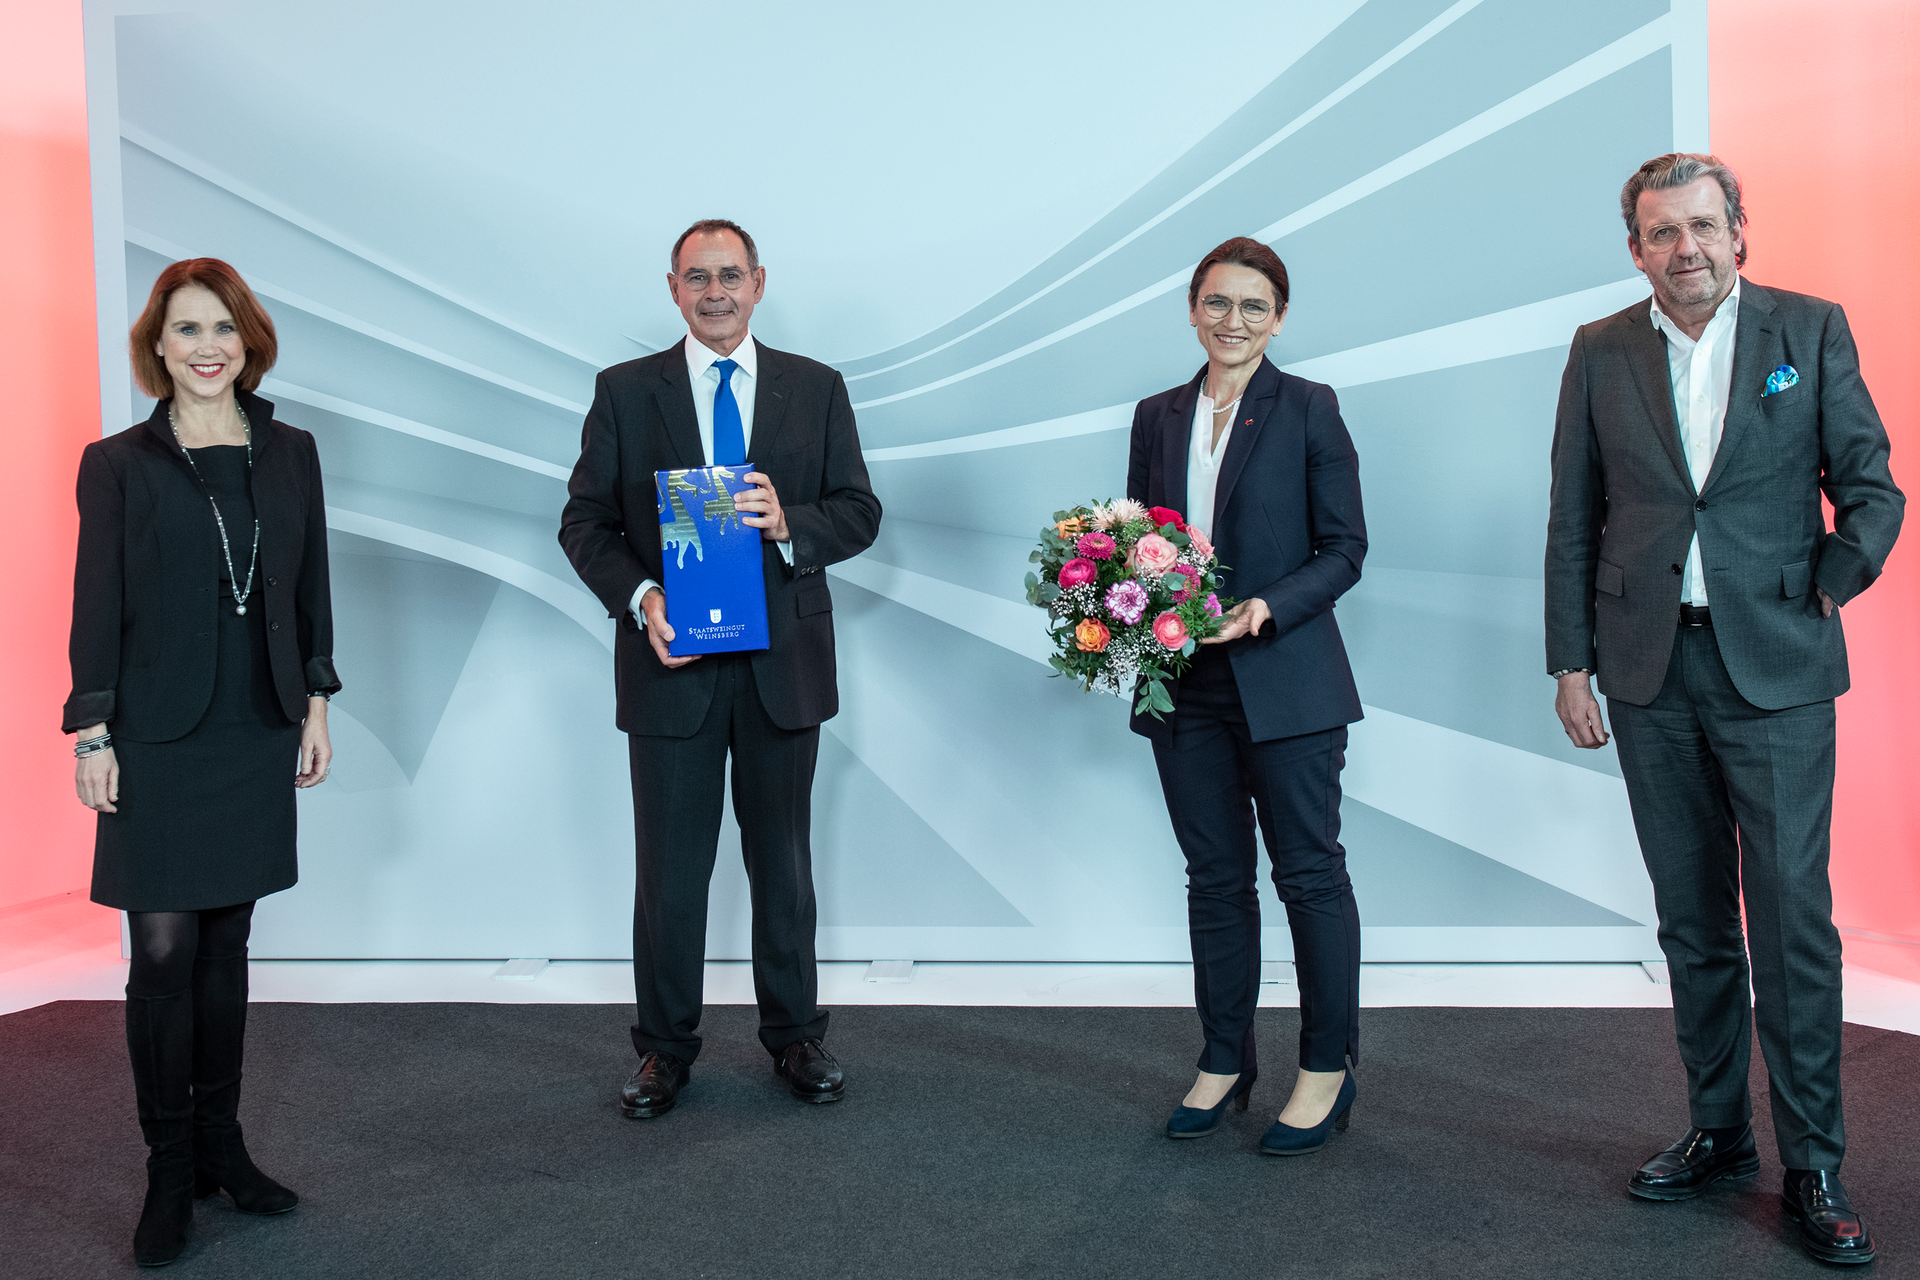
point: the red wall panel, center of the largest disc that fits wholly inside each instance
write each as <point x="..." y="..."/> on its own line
<point x="53" y="410"/>
<point x="1814" y="105"/>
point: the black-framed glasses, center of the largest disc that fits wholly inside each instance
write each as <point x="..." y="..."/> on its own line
<point x="1665" y="235"/>
<point x="1252" y="310"/>
<point x="698" y="277"/>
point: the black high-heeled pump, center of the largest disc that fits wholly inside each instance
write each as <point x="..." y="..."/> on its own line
<point x="1198" y="1122"/>
<point x="1285" y="1140"/>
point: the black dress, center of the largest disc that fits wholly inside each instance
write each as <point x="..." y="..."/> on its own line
<point x="208" y="819"/>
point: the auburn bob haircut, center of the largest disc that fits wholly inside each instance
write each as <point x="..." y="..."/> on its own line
<point x="249" y="317"/>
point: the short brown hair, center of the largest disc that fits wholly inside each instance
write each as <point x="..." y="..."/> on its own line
<point x="717" y="224"/>
<point x="1242" y="251"/>
<point x="249" y="317"/>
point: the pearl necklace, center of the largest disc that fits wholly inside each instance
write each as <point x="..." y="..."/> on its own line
<point x="253" y="562"/>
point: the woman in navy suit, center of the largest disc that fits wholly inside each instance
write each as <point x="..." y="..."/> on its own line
<point x="1262" y="466"/>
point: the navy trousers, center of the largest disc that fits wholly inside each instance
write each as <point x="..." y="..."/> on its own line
<point x="1218" y="782"/>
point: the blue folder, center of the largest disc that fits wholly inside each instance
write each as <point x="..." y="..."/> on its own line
<point x="715" y="580"/>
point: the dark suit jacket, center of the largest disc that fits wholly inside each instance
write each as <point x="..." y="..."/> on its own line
<point x="1625" y="510"/>
<point x="146" y="580"/>
<point x="642" y="421"/>
<point x="1288" y="525"/>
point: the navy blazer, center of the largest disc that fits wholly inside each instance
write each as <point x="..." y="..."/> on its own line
<point x="1288" y="526"/>
<point x="642" y="421"/>
<point x="147" y="577"/>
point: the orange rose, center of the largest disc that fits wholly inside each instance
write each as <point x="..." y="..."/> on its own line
<point x="1071" y="528"/>
<point x="1091" y="636"/>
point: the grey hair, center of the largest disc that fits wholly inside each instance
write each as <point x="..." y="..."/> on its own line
<point x="1681" y="169"/>
<point x="717" y="224"/>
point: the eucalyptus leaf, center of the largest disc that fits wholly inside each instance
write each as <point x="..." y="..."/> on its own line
<point x="1049" y="592"/>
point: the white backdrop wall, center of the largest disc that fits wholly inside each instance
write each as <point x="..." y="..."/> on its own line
<point x="985" y="217"/>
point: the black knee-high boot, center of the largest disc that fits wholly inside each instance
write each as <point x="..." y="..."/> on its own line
<point x="219" y="1035"/>
<point x="160" y="1043"/>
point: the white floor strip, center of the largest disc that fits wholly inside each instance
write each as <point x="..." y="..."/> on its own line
<point x="1873" y="999"/>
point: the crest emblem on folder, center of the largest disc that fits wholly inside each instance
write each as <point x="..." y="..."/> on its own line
<point x="714" y="614"/>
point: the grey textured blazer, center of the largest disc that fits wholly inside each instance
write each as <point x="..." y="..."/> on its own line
<point x="1625" y="509"/>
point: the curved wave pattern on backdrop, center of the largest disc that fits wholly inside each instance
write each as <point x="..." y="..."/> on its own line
<point x="1440" y="180"/>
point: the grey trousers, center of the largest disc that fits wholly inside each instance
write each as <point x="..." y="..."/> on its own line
<point x="1731" y="800"/>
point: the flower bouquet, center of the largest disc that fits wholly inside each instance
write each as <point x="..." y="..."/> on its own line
<point x="1130" y="591"/>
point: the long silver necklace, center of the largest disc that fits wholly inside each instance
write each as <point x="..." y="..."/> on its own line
<point x="240" y="593"/>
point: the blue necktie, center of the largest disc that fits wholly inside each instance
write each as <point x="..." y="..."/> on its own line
<point x="729" y="440"/>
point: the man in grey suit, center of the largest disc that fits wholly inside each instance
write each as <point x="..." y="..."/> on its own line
<point x="1690" y="569"/>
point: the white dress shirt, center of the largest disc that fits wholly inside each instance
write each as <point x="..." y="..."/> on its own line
<point x="1702" y="374"/>
<point x="704" y="380"/>
<point x="1203" y="463"/>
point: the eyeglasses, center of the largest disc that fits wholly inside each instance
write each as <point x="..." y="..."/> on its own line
<point x="1254" y="310"/>
<point x="1665" y="235"/>
<point x="731" y="278"/>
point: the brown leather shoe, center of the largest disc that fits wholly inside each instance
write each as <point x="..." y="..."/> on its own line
<point x="1829" y="1228"/>
<point x="810" y="1071"/>
<point x="655" y="1087"/>
<point x="1693" y="1164"/>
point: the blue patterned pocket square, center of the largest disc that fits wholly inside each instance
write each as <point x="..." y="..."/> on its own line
<point x="1779" y="380"/>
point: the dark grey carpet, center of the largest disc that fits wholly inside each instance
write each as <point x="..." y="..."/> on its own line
<point x="483" y="1140"/>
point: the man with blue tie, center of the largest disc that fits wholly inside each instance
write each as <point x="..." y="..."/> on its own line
<point x="722" y="398"/>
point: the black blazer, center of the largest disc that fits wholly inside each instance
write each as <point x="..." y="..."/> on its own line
<point x="1288" y="525"/>
<point x="642" y="421"/>
<point x="146" y="580"/>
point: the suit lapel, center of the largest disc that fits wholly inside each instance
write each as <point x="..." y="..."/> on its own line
<point x="1653" y="378"/>
<point x="1176" y="445"/>
<point x="1256" y="406"/>
<point x="675" y="398"/>
<point x="769" y="402"/>
<point x="1756" y="351"/>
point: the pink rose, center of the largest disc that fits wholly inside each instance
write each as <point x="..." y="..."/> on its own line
<point x="1192" y="575"/>
<point x="1096" y="546"/>
<point x="1169" y="630"/>
<point x="1199" y="544"/>
<point x="1077" y="572"/>
<point x="1153" y="555"/>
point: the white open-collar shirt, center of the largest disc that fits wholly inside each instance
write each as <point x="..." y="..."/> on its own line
<point x="1203" y="462"/>
<point x="704" y="381"/>
<point x="1702" y="375"/>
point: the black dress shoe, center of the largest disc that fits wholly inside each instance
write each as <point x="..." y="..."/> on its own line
<point x="653" y="1089"/>
<point x="1693" y="1164"/>
<point x="1829" y="1228"/>
<point x="810" y="1072"/>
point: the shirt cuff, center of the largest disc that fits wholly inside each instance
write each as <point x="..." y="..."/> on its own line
<point x="639" y="593"/>
<point x="786" y="551"/>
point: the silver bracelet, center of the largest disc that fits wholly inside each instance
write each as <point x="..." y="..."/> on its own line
<point x="93" y="746"/>
<point x="1567" y="671"/>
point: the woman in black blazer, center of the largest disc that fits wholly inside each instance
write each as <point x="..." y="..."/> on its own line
<point x="202" y="654"/>
<point x="1262" y="466"/>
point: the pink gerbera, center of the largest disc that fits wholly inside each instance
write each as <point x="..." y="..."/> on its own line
<point x="1096" y="546"/>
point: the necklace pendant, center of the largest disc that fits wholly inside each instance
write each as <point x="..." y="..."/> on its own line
<point x="239" y="611"/>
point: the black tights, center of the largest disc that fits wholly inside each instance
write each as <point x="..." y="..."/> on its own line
<point x="165" y="944"/>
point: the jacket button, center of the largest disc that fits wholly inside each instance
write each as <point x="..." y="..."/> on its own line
<point x="273" y="626"/>
<point x="1674" y="567"/>
<point x="1701" y="505"/>
<point x="273" y="582"/>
